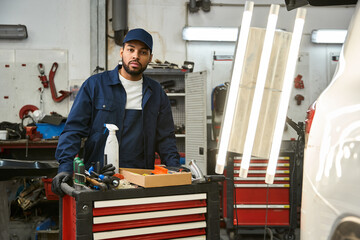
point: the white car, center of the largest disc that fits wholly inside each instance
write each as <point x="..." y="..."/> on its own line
<point x="331" y="175"/>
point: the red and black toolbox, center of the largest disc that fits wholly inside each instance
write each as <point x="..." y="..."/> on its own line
<point x="249" y="204"/>
<point x="141" y="213"/>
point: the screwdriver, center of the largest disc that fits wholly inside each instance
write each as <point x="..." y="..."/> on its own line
<point x="101" y="185"/>
<point x="104" y="178"/>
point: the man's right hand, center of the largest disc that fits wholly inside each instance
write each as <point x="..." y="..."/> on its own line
<point x="62" y="177"/>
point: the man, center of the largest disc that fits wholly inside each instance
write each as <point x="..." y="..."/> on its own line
<point x="136" y="104"/>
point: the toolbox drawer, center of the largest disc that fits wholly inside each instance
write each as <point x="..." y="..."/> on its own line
<point x="261" y="195"/>
<point x="260" y="215"/>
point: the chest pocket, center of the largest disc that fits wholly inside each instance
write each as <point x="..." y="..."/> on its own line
<point x="106" y="111"/>
<point x="104" y="104"/>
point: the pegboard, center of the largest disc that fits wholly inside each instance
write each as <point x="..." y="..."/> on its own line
<point x="20" y="84"/>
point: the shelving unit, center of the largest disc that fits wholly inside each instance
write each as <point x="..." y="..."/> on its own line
<point x="187" y="95"/>
<point x="177" y="98"/>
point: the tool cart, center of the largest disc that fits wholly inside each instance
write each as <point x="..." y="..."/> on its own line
<point x="250" y="205"/>
<point x="141" y="213"/>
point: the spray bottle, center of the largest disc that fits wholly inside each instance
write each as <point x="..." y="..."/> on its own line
<point x="112" y="147"/>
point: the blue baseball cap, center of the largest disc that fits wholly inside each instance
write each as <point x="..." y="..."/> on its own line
<point x="140" y="35"/>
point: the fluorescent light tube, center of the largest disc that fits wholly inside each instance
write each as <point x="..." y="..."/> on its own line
<point x="234" y="87"/>
<point x="13" y="31"/>
<point x="332" y="36"/>
<point x="225" y="34"/>
<point x="285" y="95"/>
<point x="259" y="89"/>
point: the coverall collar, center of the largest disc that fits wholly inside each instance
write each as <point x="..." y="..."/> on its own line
<point x="114" y="77"/>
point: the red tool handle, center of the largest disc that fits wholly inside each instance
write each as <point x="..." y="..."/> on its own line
<point x="64" y="94"/>
<point x="42" y="76"/>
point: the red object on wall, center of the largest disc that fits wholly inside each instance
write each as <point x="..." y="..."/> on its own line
<point x="55" y="97"/>
<point x="51" y="81"/>
<point x="299" y="98"/>
<point x="299" y="84"/>
<point x="26" y="109"/>
<point x="42" y="76"/>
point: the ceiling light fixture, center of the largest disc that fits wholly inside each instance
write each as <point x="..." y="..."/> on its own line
<point x="214" y="34"/>
<point x="330" y="36"/>
<point x="13" y="31"/>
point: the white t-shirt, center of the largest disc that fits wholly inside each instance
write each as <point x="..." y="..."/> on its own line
<point x="133" y="93"/>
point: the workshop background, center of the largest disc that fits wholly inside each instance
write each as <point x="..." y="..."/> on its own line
<point x="79" y="37"/>
<point x="73" y="34"/>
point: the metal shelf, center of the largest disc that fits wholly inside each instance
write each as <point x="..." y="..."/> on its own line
<point x="179" y="135"/>
<point x="176" y="94"/>
<point x="161" y="71"/>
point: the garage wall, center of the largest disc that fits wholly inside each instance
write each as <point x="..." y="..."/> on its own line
<point x="52" y="24"/>
<point x="164" y="20"/>
<point x="58" y="31"/>
<point x="65" y="26"/>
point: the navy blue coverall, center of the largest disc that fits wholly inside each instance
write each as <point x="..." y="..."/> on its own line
<point x="101" y="99"/>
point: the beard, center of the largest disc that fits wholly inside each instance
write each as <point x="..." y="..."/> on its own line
<point x="134" y="72"/>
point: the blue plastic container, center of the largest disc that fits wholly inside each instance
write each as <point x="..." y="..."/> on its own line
<point x="50" y="131"/>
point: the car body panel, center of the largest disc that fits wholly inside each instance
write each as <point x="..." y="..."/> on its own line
<point x="331" y="176"/>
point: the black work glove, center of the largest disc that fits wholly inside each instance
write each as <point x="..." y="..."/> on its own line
<point x="62" y="177"/>
<point x="108" y="170"/>
<point x="178" y="169"/>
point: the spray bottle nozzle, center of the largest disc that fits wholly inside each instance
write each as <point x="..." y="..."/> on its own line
<point x="111" y="127"/>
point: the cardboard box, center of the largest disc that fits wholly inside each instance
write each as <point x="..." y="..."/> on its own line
<point x="143" y="178"/>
